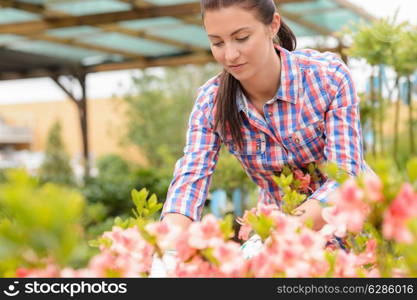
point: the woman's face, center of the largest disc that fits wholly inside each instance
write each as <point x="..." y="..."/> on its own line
<point x="239" y="41"/>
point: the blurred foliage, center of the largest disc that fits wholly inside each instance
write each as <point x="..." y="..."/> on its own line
<point x="39" y="223"/>
<point x="2" y="175"/>
<point x="146" y="210"/>
<point x="386" y="43"/>
<point x="56" y="166"/>
<point x="376" y="41"/>
<point x="404" y="53"/>
<point x="230" y="174"/>
<point x="111" y="165"/>
<point x="114" y="183"/>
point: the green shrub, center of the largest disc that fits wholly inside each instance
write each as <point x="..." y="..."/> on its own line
<point x="56" y="167"/>
<point x="38" y="222"/>
<point x="113" y="185"/>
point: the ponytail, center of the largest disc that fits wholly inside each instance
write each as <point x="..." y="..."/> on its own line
<point x="286" y="38"/>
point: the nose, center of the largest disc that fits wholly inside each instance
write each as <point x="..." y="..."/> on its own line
<point x="231" y="53"/>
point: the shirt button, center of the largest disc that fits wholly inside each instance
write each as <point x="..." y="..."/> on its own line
<point x="297" y="140"/>
<point x="270" y="114"/>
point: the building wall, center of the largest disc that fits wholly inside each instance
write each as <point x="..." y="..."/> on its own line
<point x="106" y="125"/>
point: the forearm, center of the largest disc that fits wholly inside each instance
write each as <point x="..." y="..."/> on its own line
<point x="311" y="210"/>
<point x="176" y="219"/>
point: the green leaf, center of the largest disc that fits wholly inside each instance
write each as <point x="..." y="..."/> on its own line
<point x="331" y="259"/>
<point x="412" y="170"/>
<point x="208" y="254"/>
<point x="262" y="225"/>
<point x="226" y="227"/>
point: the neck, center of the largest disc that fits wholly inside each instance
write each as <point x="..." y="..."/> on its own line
<point x="263" y="86"/>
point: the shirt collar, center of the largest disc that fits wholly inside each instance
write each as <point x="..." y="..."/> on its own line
<point x="290" y="76"/>
<point x="289" y="85"/>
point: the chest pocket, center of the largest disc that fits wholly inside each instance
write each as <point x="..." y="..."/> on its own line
<point x="306" y="144"/>
<point x="252" y="146"/>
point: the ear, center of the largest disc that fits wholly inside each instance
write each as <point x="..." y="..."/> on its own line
<point x="275" y="24"/>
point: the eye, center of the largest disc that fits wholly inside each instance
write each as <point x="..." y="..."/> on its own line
<point x="243" y="39"/>
<point x="218" y="44"/>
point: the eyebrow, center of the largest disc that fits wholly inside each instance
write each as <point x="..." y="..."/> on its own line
<point x="234" y="32"/>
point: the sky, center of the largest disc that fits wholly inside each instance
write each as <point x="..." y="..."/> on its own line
<point x="108" y="84"/>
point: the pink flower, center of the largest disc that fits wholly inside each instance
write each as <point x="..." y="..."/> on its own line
<point x="203" y="234"/>
<point x="293" y="251"/>
<point x="244" y="232"/>
<point x="336" y="223"/>
<point x="373" y="188"/>
<point x="166" y="234"/>
<point x="305" y="180"/>
<point x="268" y="210"/>
<point x="401" y="210"/>
<point x="373" y="273"/>
<point x="399" y="273"/>
<point x="129" y="254"/>
<point x="230" y="258"/>
<point x="369" y="255"/>
<point x="285" y="224"/>
<point x="81" y="273"/>
<point x="185" y="251"/>
<point x="346" y="264"/>
<point x="264" y="265"/>
<point x="102" y="263"/>
<point x="50" y="271"/>
<point x="349" y="211"/>
<point x="313" y="244"/>
<point x="196" y="268"/>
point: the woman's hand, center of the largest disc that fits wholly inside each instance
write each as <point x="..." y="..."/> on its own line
<point x="311" y="210"/>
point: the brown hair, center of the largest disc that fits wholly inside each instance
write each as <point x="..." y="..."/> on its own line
<point x="227" y="116"/>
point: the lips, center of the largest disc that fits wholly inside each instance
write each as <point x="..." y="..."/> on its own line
<point x="236" y="67"/>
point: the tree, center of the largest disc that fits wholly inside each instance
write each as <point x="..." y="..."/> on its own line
<point x="405" y="64"/>
<point x="376" y="43"/>
<point x="56" y="165"/>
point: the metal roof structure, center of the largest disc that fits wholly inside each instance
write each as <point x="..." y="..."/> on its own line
<point x="55" y="38"/>
<point x="52" y="37"/>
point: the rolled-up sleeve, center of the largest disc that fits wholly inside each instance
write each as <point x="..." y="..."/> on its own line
<point x="192" y="175"/>
<point x="343" y="144"/>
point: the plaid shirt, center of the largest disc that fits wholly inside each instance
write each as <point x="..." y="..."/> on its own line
<point x="314" y="117"/>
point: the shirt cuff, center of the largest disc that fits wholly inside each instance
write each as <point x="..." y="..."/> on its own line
<point x="323" y="192"/>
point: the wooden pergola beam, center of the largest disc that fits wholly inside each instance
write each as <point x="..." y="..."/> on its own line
<point x="82" y="109"/>
<point x="100" y="19"/>
<point x="38" y="8"/>
<point x="200" y="58"/>
<point x="138" y="3"/>
<point x="310" y="25"/>
<point x="34" y="73"/>
<point x="78" y="44"/>
<point x="177" y="10"/>
<point x="32" y="8"/>
<point x="146" y="35"/>
<point x="356" y="9"/>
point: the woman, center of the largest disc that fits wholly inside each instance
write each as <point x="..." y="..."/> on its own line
<point x="271" y="106"/>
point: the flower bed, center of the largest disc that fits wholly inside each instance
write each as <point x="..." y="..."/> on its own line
<point x="372" y="219"/>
